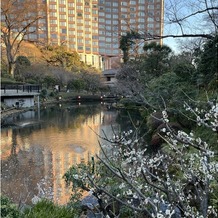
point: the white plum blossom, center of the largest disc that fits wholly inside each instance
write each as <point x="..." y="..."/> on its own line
<point x="164" y="183"/>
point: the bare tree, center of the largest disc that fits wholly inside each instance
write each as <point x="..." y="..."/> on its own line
<point x="191" y="19"/>
<point x="19" y="18"/>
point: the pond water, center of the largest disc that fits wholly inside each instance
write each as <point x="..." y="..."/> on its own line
<point x="43" y="145"/>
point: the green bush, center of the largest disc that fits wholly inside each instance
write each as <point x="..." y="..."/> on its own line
<point x="48" y="209"/>
<point x="8" y="208"/>
<point x="44" y="93"/>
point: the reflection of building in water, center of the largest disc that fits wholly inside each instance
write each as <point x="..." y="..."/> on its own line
<point x="6" y="142"/>
<point x="48" y="153"/>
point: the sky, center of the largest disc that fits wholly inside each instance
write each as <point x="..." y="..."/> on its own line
<point x="192" y="25"/>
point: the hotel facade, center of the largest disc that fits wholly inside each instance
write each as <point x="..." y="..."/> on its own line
<point x="93" y="27"/>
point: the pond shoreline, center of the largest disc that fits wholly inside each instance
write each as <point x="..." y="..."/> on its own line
<point x="13" y="111"/>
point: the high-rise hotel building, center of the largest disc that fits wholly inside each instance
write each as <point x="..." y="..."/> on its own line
<point x="93" y="27"/>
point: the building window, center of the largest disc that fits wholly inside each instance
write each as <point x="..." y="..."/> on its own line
<point x="63" y="38"/>
<point x="94" y="37"/>
<point x="101" y="20"/>
<point x="71" y="25"/>
<point x="80" y="7"/>
<point x="32" y="36"/>
<point x="62" y="9"/>
<point x="63" y="16"/>
<point x="53" y="28"/>
<point x="108" y="28"/>
<point x="101" y="13"/>
<point x="79" y="21"/>
<point x="142" y="8"/>
<point x="151" y="25"/>
<point x="53" y="21"/>
<point x="102" y="50"/>
<point x="71" y="4"/>
<point x="108" y="15"/>
<point x="108" y="34"/>
<point x="150" y="6"/>
<point x="94" y="12"/>
<point x="64" y="31"/>
<point x="71" y="18"/>
<point x="71" y="32"/>
<point x="54" y="36"/>
<point x="124" y="3"/>
<point x="62" y="23"/>
<point x="87" y="15"/>
<point x="124" y="9"/>
<point x="52" y="6"/>
<point x="141" y="20"/>
<point x="71" y="12"/>
<point x="62" y="1"/>
<point x="72" y="39"/>
<point x="141" y="14"/>
<point x="72" y="46"/>
<point x="108" y="21"/>
<point x="150" y="19"/>
<point x="80" y="40"/>
<point x="123" y="15"/>
<point x="132" y="2"/>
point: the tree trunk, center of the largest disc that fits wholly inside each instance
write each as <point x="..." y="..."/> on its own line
<point x="11" y="68"/>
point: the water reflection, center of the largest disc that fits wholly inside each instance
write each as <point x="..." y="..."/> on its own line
<point x="36" y="154"/>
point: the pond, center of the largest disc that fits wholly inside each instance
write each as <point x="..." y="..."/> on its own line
<point x="43" y="145"/>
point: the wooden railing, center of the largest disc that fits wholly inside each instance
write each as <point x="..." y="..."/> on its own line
<point x="21" y="88"/>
